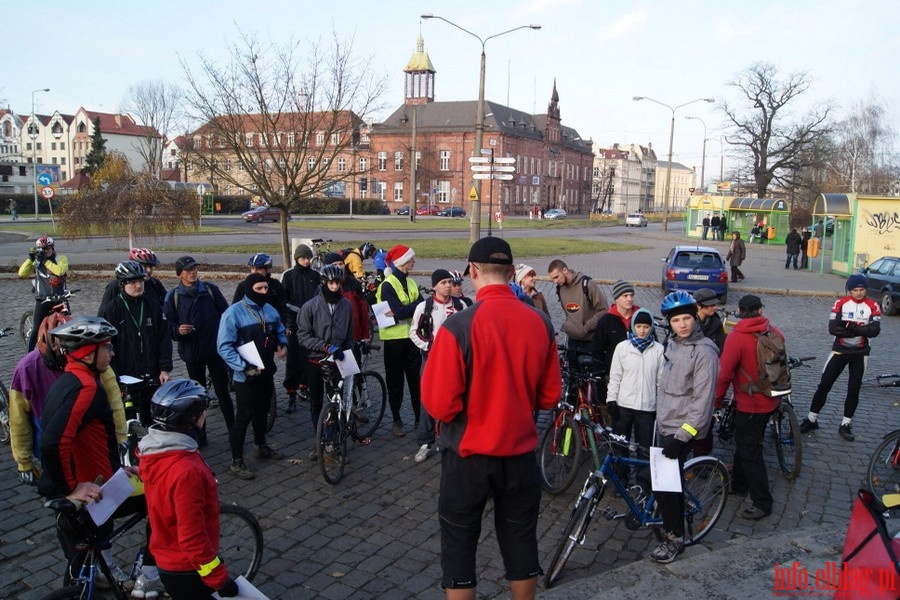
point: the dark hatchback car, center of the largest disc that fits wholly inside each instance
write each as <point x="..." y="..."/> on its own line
<point x="690" y="268"/>
<point x="263" y="213"/>
<point x="403" y="210"/>
<point x="884" y="283"/>
<point x="452" y="211"/>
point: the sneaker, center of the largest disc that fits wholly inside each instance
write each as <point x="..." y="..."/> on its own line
<point x="265" y="451"/>
<point x="426" y="451"/>
<point x="806" y="426"/>
<point x="754" y="513"/>
<point x="146" y="587"/>
<point x="314" y="455"/>
<point x="398" y="429"/>
<point x="213" y="402"/>
<point x="303" y="394"/>
<point x="845" y="432"/>
<point x="667" y="550"/>
<point x="292" y="403"/>
<point x="240" y="470"/>
<point x="360" y="415"/>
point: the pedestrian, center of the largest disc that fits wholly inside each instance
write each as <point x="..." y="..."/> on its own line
<point x="612" y="329"/>
<point x="737" y="253"/>
<point x="526" y="277"/>
<point x="275" y="297"/>
<point x="301" y="284"/>
<point x="352" y="290"/>
<point x="13" y="207"/>
<point x="182" y="496"/>
<point x="456" y="283"/>
<point x="819" y="229"/>
<point x="684" y="407"/>
<point x="583" y="304"/>
<point x="154" y="290"/>
<point x="763" y="232"/>
<point x="737" y="369"/>
<point x="723" y="227"/>
<point x="854" y="320"/>
<point x="712" y="327"/>
<point x="251" y="320"/>
<point x="793" y="243"/>
<point x="714" y="224"/>
<point x="706" y="225"/>
<point x="483" y="400"/>
<point x="805" y="236"/>
<point x="353" y="259"/>
<point x="402" y="358"/>
<point x="754" y="233"/>
<point x="50" y="271"/>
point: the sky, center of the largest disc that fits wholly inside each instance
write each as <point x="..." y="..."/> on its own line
<point x="600" y="53"/>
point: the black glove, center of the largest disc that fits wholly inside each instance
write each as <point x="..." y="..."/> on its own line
<point x="229" y="589"/>
<point x="32" y="256"/>
<point x="673" y="448"/>
<point x="612" y="409"/>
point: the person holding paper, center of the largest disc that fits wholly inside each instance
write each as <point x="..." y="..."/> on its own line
<point x="251" y="320"/>
<point x="684" y="406"/>
<point x="324" y="328"/>
<point x="182" y="495"/>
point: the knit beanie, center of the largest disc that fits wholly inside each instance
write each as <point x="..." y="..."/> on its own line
<point x="856" y="280"/>
<point x="399" y="255"/>
<point x="622" y="287"/>
<point x="439" y="275"/>
<point x="302" y="251"/>
<point x="331" y="258"/>
<point x="521" y="271"/>
<point x="642" y="317"/>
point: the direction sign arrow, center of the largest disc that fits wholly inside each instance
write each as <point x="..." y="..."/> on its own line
<point x="493" y="168"/>
<point x="45" y="179"/>
<point x="502" y="177"/>
<point x="505" y="160"/>
<point x="480" y="159"/>
<point x="484" y="168"/>
<point x="495" y="176"/>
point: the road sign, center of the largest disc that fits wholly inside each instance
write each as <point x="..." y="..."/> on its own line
<point x="487" y="150"/>
<point x="505" y="160"/>
<point x="503" y="169"/>
<point x="473" y="195"/>
<point x="480" y="159"/>
<point x="495" y="176"/>
<point x="492" y="169"/>
<point x="481" y="168"/>
<point x="45" y="179"/>
<point x="47" y="192"/>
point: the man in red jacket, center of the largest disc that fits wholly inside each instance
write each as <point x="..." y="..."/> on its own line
<point x="737" y="366"/>
<point x="489" y="368"/>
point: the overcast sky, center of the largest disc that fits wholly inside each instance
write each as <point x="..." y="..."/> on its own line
<point x="600" y="53"/>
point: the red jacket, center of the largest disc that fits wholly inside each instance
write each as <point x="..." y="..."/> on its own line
<point x="738" y="365"/>
<point x="489" y="367"/>
<point x="183" y="506"/>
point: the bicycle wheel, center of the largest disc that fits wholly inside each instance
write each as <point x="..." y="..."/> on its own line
<point x="331" y="444"/>
<point x="240" y="540"/>
<point x="560" y="454"/>
<point x="574" y="532"/>
<point x="706" y="483"/>
<point x="26" y="322"/>
<point x="72" y="592"/>
<point x="788" y="441"/>
<point x="273" y="412"/>
<point x="369" y="402"/>
<point x="4" y="414"/>
<point x="883" y="472"/>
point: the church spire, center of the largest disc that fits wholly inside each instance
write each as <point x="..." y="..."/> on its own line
<point x="419" y="80"/>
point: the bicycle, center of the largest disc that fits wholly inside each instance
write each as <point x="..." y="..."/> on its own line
<point x="60" y="303"/>
<point x="705" y="485"/>
<point x="4" y="400"/>
<point x="240" y="548"/>
<point x="337" y="425"/>
<point x="785" y="427"/>
<point x="369" y="394"/>
<point x="569" y="434"/>
<point x="883" y="470"/>
<point x="320" y="247"/>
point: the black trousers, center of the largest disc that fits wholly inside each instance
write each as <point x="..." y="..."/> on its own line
<point x="252" y="398"/>
<point x="736" y="273"/>
<point x="671" y="504"/>
<point x="750" y="471"/>
<point x="41" y="310"/>
<point x="218" y="373"/>
<point x="834" y="366"/>
<point x="185" y="585"/>
<point x="294" y="369"/>
<point x="402" y="359"/>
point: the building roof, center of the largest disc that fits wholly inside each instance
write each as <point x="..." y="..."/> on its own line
<point x="77" y="182"/>
<point x="664" y="164"/>
<point x="419" y="60"/>
<point x="119" y="124"/>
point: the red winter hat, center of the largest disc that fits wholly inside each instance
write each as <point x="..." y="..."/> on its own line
<point x="399" y="255"/>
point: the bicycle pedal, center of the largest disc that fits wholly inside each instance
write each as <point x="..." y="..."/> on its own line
<point x="610" y="514"/>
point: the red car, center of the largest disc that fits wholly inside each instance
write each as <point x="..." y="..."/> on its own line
<point x="428" y="209"/>
<point x="263" y="213"/>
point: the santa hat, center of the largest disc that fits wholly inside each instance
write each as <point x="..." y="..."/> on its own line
<point x="399" y="255"/>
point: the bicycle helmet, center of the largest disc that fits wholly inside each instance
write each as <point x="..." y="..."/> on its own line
<point x="45" y="241"/>
<point x="178" y="403"/>
<point x="456" y="277"/>
<point x="260" y="261"/>
<point x="143" y="256"/>
<point x="367" y="250"/>
<point x="332" y="273"/>
<point x="678" y="303"/>
<point x="129" y="270"/>
<point x="50" y="351"/>
<point x="83" y="331"/>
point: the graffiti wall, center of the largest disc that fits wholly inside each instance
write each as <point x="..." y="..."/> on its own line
<point x="877" y="227"/>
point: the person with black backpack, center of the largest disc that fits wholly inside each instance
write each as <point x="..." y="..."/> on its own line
<point x="751" y="346"/>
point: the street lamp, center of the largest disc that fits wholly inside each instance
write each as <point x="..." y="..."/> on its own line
<point x="703" y="163"/>
<point x="665" y="222"/>
<point x="475" y="222"/>
<point x="33" y="134"/>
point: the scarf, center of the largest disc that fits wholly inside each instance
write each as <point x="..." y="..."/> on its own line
<point x="640" y="343"/>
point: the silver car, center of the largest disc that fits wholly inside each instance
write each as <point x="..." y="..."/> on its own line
<point x="555" y="214"/>
<point x="636" y="220"/>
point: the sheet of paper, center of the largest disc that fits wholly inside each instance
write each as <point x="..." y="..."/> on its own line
<point x="249" y="353"/>
<point x="115" y="492"/>
<point x="246" y="590"/>
<point x="128" y="380"/>
<point x="665" y="475"/>
<point x="348" y="365"/>
<point x="380" y="309"/>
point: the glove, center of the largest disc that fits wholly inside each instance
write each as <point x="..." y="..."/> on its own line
<point x="673" y="448"/>
<point x="229" y="589"/>
<point x="27" y="477"/>
<point x="32" y="256"/>
<point x="336" y="352"/>
<point x="612" y="409"/>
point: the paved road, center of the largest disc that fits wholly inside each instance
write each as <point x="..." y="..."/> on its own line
<point x="375" y="535"/>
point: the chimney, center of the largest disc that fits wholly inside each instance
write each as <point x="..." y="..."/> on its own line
<point x="118" y="119"/>
<point x="616" y="146"/>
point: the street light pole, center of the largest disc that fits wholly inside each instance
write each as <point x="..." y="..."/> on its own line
<point x="665" y="222"/>
<point x="475" y="217"/>
<point x="703" y="163"/>
<point x="33" y="134"/>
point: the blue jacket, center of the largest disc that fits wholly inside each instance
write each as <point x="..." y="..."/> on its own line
<point x="243" y="322"/>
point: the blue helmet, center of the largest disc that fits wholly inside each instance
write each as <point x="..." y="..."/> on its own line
<point x="260" y="261"/>
<point x="678" y="302"/>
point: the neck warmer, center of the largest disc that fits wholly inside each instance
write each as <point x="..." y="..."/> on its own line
<point x="331" y="297"/>
<point x="640" y="343"/>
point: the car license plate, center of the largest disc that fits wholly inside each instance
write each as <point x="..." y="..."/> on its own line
<point x="698" y="277"/>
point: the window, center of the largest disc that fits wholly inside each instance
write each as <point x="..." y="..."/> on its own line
<point x="398" y="161"/>
<point x="53" y="160"/>
<point x="382" y="190"/>
<point x="281" y="163"/>
<point x="398" y="191"/>
<point x="325" y="163"/>
<point x="418" y="159"/>
<point x="342" y="164"/>
<point x="38" y="145"/>
<point x="363" y="164"/>
<point x="291" y="138"/>
<point x="320" y="138"/>
<point x="248" y="137"/>
<point x="28" y="145"/>
<point x="382" y="162"/>
<point x="62" y="161"/>
<point x="445" y="160"/>
<point x="310" y="164"/>
<point x="227" y="164"/>
<point x="53" y="145"/>
<point x="443" y="191"/>
<point x="335" y="139"/>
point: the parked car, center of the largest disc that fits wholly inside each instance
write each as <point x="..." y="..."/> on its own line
<point x="263" y="213"/>
<point x="636" y="220"/>
<point x="884" y="283"/>
<point x="384" y="209"/>
<point x="555" y="214"/>
<point x="690" y="268"/>
<point x="452" y="211"/>
<point x="403" y="210"/>
<point x="428" y="209"/>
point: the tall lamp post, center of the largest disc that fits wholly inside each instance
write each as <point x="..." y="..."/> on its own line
<point x="665" y="223"/>
<point x="475" y="221"/>
<point x="33" y="134"/>
<point x="703" y="163"/>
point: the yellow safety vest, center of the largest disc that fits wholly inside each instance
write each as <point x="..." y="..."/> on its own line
<point x="408" y="296"/>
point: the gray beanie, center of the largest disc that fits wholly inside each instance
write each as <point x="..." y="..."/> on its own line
<point x="622" y="287"/>
<point x="302" y="251"/>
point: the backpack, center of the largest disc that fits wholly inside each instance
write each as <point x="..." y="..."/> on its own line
<point x="585" y="281"/>
<point x="425" y="326"/>
<point x="773" y="377"/>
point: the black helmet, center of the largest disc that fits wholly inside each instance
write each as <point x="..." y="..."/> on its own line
<point x="82" y="331"/>
<point x="332" y="273"/>
<point x="129" y="271"/>
<point x="260" y="261"/>
<point x="178" y="403"/>
<point x="367" y="250"/>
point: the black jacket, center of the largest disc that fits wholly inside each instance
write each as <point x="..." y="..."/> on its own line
<point x="610" y="331"/>
<point x="301" y="284"/>
<point x="153" y="290"/>
<point x="713" y="329"/>
<point x="200" y="305"/>
<point x="143" y="345"/>
<point x="793" y="242"/>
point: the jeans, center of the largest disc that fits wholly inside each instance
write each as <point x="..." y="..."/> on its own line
<point x="749" y="471"/>
<point x="791" y="258"/>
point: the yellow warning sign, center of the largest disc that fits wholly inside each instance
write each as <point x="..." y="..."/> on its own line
<point x="473" y="195"/>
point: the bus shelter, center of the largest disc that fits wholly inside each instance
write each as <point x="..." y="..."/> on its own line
<point x="744" y="213"/>
<point x="700" y="207"/>
<point x="863" y="229"/>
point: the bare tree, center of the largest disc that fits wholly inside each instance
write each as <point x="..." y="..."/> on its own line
<point x="281" y="121"/>
<point x="769" y="138"/>
<point x="118" y="200"/>
<point x="862" y="157"/>
<point x="155" y="105"/>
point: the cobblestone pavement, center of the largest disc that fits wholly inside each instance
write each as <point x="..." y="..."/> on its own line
<point x="375" y="535"/>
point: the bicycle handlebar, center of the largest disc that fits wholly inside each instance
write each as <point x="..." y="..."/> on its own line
<point x="5" y="331"/>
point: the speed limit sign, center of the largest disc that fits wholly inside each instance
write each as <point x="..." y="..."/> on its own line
<point x="47" y="192"/>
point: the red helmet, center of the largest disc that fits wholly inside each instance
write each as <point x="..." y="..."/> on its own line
<point x="44" y="241"/>
<point x="143" y="256"/>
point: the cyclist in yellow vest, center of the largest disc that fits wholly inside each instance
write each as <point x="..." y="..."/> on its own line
<point x="401" y="356"/>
